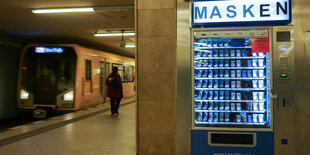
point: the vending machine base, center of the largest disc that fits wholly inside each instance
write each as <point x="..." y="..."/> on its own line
<point x="206" y="142"/>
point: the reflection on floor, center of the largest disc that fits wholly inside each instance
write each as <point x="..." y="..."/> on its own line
<point x="102" y="134"/>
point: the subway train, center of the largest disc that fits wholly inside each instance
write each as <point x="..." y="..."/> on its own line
<point x="67" y="77"/>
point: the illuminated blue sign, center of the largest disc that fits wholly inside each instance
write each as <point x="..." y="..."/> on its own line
<point x="49" y="50"/>
<point x="241" y="11"/>
<point x="283" y="48"/>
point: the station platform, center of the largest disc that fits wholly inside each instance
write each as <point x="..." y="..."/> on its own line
<point x="93" y="131"/>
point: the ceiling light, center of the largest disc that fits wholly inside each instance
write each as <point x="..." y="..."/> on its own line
<point x="63" y="10"/>
<point x="130" y="46"/>
<point x="113" y="34"/>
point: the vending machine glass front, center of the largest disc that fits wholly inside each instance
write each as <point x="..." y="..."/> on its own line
<point x="231" y="78"/>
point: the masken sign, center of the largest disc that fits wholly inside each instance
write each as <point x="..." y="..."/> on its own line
<point x="241" y="12"/>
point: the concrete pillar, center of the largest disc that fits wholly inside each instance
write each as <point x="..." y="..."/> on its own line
<point x="156" y="76"/>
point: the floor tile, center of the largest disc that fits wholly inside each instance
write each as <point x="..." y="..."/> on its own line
<point x="102" y="134"/>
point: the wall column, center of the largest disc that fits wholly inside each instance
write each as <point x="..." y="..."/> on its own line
<point x="156" y="76"/>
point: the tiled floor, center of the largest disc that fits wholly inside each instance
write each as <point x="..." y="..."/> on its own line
<point x="102" y="134"/>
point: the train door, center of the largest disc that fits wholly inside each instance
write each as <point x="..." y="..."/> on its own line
<point x="104" y="72"/>
<point x="108" y="69"/>
<point x="45" y="80"/>
<point x="107" y="72"/>
<point x="102" y="78"/>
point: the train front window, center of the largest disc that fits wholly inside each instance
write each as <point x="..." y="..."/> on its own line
<point x="53" y="72"/>
<point x="66" y="74"/>
<point x="46" y="68"/>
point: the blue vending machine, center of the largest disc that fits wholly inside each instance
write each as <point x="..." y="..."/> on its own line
<point x="232" y="109"/>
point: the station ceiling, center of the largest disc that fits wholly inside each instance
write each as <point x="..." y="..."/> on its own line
<point x="18" y="22"/>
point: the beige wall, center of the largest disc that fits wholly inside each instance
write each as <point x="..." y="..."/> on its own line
<point x="156" y="74"/>
<point x="156" y="59"/>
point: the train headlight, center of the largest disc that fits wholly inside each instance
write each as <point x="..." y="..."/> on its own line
<point x="69" y="96"/>
<point x="24" y="94"/>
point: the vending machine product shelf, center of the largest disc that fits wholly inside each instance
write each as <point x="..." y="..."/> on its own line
<point x="231" y="78"/>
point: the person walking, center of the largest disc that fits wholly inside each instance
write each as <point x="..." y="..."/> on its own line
<point x="114" y="90"/>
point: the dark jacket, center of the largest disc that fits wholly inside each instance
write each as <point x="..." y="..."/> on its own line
<point x="118" y="92"/>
